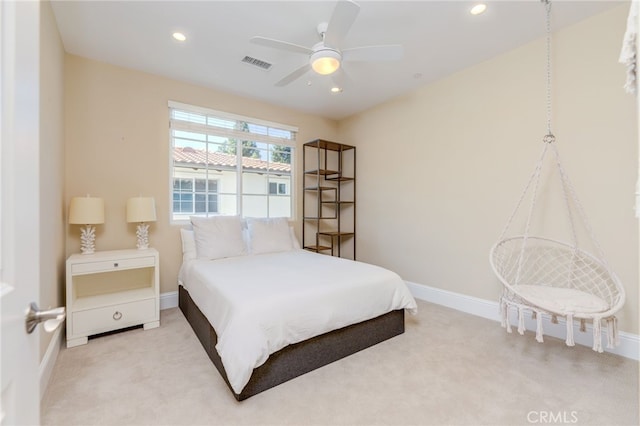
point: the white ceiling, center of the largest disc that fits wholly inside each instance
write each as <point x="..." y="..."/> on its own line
<point x="439" y="38"/>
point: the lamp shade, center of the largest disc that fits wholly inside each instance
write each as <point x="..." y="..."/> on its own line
<point x="86" y="211"/>
<point x="141" y="209"/>
<point x="325" y="61"/>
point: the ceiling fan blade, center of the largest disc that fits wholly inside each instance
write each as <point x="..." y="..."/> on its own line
<point x="344" y="14"/>
<point x="294" y="75"/>
<point x="390" y="52"/>
<point x="281" y="45"/>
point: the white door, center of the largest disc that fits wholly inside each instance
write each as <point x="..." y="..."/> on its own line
<point x="19" y="212"/>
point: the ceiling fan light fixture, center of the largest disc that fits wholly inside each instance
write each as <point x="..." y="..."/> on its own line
<point x="325" y="61"/>
<point x="478" y="9"/>
<point x="179" y="36"/>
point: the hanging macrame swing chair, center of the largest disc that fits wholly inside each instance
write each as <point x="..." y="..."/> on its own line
<point x="546" y="276"/>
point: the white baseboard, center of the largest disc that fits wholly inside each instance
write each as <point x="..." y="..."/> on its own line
<point x="629" y="346"/>
<point x="49" y="359"/>
<point x="169" y="300"/>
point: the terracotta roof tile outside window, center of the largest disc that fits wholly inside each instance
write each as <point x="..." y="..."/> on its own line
<point x="189" y="155"/>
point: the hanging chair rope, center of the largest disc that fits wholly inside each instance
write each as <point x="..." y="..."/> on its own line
<point x="547" y="4"/>
<point x="547" y="276"/>
<point x="536" y="180"/>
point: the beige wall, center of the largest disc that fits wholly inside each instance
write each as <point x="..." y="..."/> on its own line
<point x="117" y="146"/>
<point x="440" y="169"/>
<point x="51" y="161"/>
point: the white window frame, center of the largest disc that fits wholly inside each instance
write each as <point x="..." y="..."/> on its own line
<point x="239" y="135"/>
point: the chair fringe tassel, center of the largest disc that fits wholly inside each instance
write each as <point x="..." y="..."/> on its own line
<point x="613" y="338"/>
<point x="569" y="340"/>
<point x="521" y="328"/>
<point x="597" y="335"/>
<point x="539" y="331"/>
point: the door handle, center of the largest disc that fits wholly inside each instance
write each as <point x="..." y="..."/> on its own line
<point x="52" y="318"/>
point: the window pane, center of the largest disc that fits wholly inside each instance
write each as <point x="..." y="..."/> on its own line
<point x="254" y="183"/>
<point x="213" y="203"/>
<point x="280" y="154"/>
<point x="279" y="206"/>
<point x="273" y="188"/>
<point x="182" y="203"/>
<point x="201" y="185"/>
<point x="182" y="185"/>
<point x="221" y="122"/>
<point x="200" y="203"/>
<point x="227" y="204"/>
<point x="250" y="149"/>
<point x="189" y="116"/>
<point x="193" y="136"/>
<point x="227" y="147"/>
<point x="280" y="133"/>
<point x="258" y="129"/>
<point x="254" y="206"/>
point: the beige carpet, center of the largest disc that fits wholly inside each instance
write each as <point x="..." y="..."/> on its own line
<point x="448" y="368"/>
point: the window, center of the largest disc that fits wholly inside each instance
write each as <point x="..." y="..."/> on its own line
<point x="227" y="164"/>
<point x="192" y="196"/>
<point x="276" y="188"/>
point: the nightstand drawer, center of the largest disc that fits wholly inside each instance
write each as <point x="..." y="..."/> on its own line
<point x="112" y="265"/>
<point x="114" y="317"/>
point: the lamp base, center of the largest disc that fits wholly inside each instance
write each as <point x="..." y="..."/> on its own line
<point x="88" y="239"/>
<point x="142" y="232"/>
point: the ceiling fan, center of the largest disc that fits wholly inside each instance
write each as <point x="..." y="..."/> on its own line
<point x="325" y="57"/>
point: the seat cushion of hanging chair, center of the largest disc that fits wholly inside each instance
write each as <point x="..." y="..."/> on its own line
<point x="561" y="300"/>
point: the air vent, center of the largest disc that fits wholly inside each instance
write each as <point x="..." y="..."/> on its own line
<point x="257" y="62"/>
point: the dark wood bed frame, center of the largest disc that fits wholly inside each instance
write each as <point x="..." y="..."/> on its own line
<point x="300" y="358"/>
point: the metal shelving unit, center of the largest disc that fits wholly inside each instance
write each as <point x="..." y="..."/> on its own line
<point x="329" y="198"/>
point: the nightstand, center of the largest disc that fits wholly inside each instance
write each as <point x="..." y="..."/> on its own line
<point x="110" y="290"/>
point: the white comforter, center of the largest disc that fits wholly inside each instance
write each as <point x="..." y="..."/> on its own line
<point x="259" y="304"/>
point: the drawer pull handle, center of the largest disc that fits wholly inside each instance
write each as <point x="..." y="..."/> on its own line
<point x="115" y="264"/>
<point x="117" y="315"/>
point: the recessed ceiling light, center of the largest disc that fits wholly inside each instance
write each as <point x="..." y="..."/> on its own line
<point x="478" y="9"/>
<point x="336" y="89"/>
<point x="179" y="36"/>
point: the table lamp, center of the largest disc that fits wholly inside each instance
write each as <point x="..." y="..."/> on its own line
<point x="141" y="210"/>
<point x="87" y="211"/>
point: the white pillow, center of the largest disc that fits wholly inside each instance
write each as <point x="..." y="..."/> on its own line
<point x="218" y="236"/>
<point x="188" y="244"/>
<point x="269" y="235"/>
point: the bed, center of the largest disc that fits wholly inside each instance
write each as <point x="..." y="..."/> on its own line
<point x="267" y="311"/>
